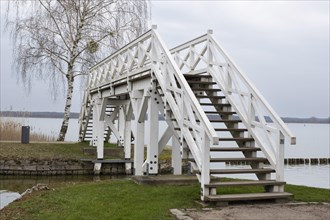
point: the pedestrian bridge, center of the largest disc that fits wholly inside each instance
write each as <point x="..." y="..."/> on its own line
<point x="214" y="115"/>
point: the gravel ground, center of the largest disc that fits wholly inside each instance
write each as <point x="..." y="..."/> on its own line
<point x="268" y="212"/>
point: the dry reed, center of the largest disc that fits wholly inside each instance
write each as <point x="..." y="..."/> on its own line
<point x="11" y="131"/>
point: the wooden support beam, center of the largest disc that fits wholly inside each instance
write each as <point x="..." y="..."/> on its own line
<point x="176" y="156"/>
<point x="152" y="146"/>
<point x="136" y="99"/>
<point x="143" y="108"/>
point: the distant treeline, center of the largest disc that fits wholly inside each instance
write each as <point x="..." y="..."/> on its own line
<point x="21" y="114"/>
<point x="310" y="120"/>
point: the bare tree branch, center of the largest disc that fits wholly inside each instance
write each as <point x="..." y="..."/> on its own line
<point x="53" y="38"/>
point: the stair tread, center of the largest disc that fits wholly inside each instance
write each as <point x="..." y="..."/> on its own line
<point x="238" y="171"/>
<point x="248" y="196"/>
<point x="196" y="76"/>
<point x="230" y="129"/>
<point x="201" y="82"/>
<point x="219" y="112"/>
<point x="226" y="120"/>
<point x="257" y="159"/>
<point x="235" y="149"/>
<point x="210" y="96"/>
<point x="206" y="89"/>
<point x="216" y="104"/>
<point x="236" y="139"/>
<point x="246" y="183"/>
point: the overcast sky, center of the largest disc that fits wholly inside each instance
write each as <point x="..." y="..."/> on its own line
<point x="282" y="47"/>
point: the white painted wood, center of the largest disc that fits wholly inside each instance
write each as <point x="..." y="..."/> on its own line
<point x="205" y="171"/>
<point x="136" y="97"/>
<point x="121" y="125"/>
<point x="98" y="126"/>
<point x="176" y="157"/>
<point x="152" y="146"/>
<point x="168" y="133"/>
<point x="147" y="65"/>
<point x="280" y="166"/>
<point x="128" y="136"/>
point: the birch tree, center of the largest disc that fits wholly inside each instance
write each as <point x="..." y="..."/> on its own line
<point x="58" y="40"/>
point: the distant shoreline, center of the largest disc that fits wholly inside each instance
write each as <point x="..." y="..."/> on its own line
<point x="75" y="115"/>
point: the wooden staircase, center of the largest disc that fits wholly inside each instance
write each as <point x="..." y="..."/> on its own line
<point x="231" y="131"/>
<point x="214" y="114"/>
<point x="88" y="132"/>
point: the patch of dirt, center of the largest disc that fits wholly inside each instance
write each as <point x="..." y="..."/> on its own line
<point x="269" y="212"/>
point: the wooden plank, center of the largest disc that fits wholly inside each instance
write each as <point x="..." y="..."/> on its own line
<point x="248" y="196"/>
<point x="235" y="149"/>
<point x="238" y="171"/>
<point x="231" y="129"/>
<point x="236" y="139"/>
<point x="201" y="82"/>
<point x="210" y="96"/>
<point x="246" y="183"/>
<point x="243" y="159"/>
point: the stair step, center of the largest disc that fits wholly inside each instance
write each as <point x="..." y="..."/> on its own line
<point x="246" y="183"/>
<point x="210" y="96"/>
<point x="201" y="82"/>
<point x="248" y="196"/>
<point x="216" y="104"/>
<point x="241" y="159"/>
<point x="220" y="112"/>
<point x="235" y="149"/>
<point x="226" y="120"/>
<point x="196" y="76"/>
<point x="236" y="139"/>
<point x="206" y="89"/>
<point x="231" y="129"/>
<point x="239" y="171"/>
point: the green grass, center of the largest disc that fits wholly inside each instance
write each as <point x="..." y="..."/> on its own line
<point x="308" y="194"/>
<point x="44" y="151"/>
<point x="117" y="199"/>
<point x="123" y="199"/>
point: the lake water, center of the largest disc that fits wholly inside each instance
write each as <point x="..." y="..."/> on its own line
<point x="313" y="141"/>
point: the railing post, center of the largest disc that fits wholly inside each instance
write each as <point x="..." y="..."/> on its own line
<point x="205" y="172"/>
<point x="280" y="162"/>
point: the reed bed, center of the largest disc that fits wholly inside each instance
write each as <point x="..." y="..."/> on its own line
<point x="11" y="130"/>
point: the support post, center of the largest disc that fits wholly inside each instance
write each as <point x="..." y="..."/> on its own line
<point x="176" y="156"/>
<point x="136" y="97"/>
<point x="127" y="137"/>
<point x="152" y="147"/>
<point x="280" y="163"/>
<point x="98" y="131"/>
<point x="205" y="172"/>
<point x="121" y="125"/>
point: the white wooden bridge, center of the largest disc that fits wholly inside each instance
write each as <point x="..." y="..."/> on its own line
<point x="211" y="108"/>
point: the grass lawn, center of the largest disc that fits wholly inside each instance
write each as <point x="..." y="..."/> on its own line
<point x="44" y="151"/>
<point x="123" y="199"/>
<point x="117" y="199"/>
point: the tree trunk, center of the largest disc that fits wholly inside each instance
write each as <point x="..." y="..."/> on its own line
<point x="67" y="108"/>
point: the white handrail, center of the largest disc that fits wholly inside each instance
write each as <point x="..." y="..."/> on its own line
<point x="256" y="94"/>
<point x="252" y="90"/>
<point x="192" y="98"/>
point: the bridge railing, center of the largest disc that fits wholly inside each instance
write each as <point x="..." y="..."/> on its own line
<point x="204" y="54"/>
